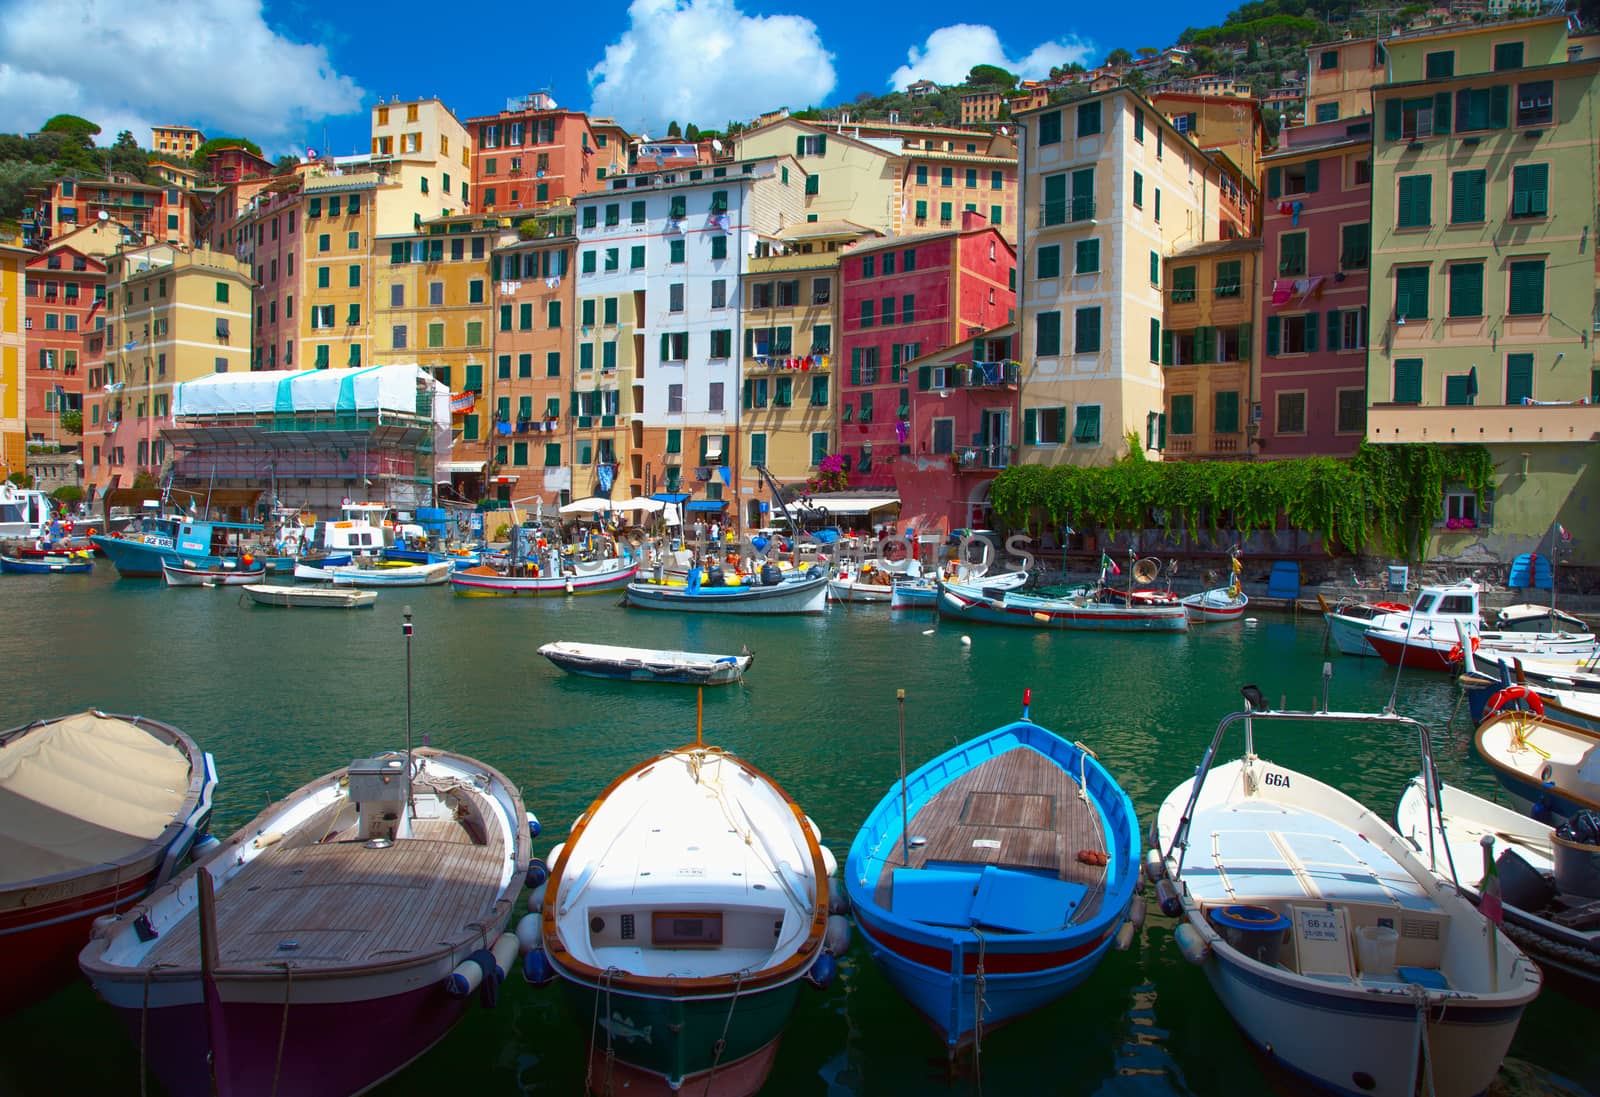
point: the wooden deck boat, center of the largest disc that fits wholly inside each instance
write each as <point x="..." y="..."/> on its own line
<point x="595" y="577"/>
<point x="993" y="897"/>
<point x="997" y="606"/>
<point x="1548" y="769"/>
<point x="1443" y="651"/>
<point x="364" y="902"/>
<point x="646" y="664"/>
<point x="96" y="811"/>
<point x="1559" y="929"/>
<point x="924" y="592"/>
<point x="682" y="914"/>
<point x="195" y="575"/>
<point x="1324" y="935"/>
<point x="369" y="574"/>
<point x="266" y="594"/>
<point x="1562" y="700"/>
<point x="47" y="564"/>
<point x="804" y="593"/>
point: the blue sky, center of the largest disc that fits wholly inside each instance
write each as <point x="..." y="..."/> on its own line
<point x="283" y="72"/>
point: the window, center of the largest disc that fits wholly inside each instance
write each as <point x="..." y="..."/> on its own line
<point x="1460" y="390"/>
<point x="1507" y="55"/>
<point x="1086" y="431"/>
<point x="888" y="311"/>
<point x="1158" y="203"/>
<point x="1526" y="296"/>
<point x="588" y="262"/>
<point x="1087" y="339"/>
<point x="1328" y="61"/>
<point x="908" y="261"/>
<point x="1291" y="413"/>
<point x="590" y="216"/>
<point x="674" y="252"/>
<point x="397" y="337"/>
<point x="1414" y="205"/>
<point x="714" y="397"/>
<point x="1352" y="412"/>
<point x="1047" y="333"/>
<point x="1183" y="285"/>
<point x="1461" y="508"/>
<point x="1408" y="380"/>
<point x="1138" y="190"/>
<point x="1466" y="289"/>
<point x="722" y="343"/>
<point x="324" y="277"/>
<point x="1138" y="128"/>
<point x="1181" y="414"/>
<point x="1044" y="426"/>
<point x="1089" y="118"/>
<point x="608" y="312"/>
<point x="1087" y="256"/>
<point x="867" y="313"/>
<point x="819" y="391"/>
<point x="1292" y="254"/>
<point x="222" y="293"/>
<point x="1050" y="128"/>
<point x="1411" y="293"/>
<point x="636" y="257"/>
<point x="1049" y="262"/>
<point x="1291" y="334"/>
<point x="1230" y="277"/>
<point x="1536" y="103"/>
<point x="1530" y="190"/>
<point x="1519" y="378"/>
<point x="474" y="331"/>
<point x="436" y="334"/>
<point x="1467" y="189"/>
<point x="612" y="259"/>
<point x="1355" y="247"/>
<point x="1155" y="268"/>
<point x="1327" y="112"/>
<point x="945" y="213"/>
<point x="1347" y="328"/>
<point x="1225" y="413"/>
<point x="819" y="447"/>
<point x="1440" y="65"/>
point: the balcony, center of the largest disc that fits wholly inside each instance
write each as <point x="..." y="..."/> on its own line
<point x="1068" y="211"/>
<point x="989" y="375"/>
<point x="984" y="458"/>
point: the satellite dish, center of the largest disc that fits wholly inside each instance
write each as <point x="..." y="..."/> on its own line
<point x="716" y="145"/>
<point x="104" y="216"/>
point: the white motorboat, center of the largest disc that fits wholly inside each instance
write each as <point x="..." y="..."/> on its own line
<point x="1324" y="935"/>
<point x="367" y="574"/>
<point x="924" y="591"/>
<point x="1216" y="606"/>
<point x="267" y="594"/>
<point x="647" y="664"/>
<point x="197" y="575"/>
<point x="1438" y="618"/>
<point x="803" y="593"/>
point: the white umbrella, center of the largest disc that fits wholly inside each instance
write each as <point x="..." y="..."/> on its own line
<point x="584" y="506"/>
<point x="651" y="506"/>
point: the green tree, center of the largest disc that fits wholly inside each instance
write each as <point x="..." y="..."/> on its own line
<point x="991" y="76"/>
<point x="126" y="156"/>
<point x="71" y="422"/>
<point x="68" y="494"/>
<point x="1119" y="56"/>
<point x="285" y="164"/>
<point x="691" y="132"/>
<point x="17" y="177"/>
<point x="673" y="130"/>
<point x="1147" y="52"/>
<point x="79" y="129"/>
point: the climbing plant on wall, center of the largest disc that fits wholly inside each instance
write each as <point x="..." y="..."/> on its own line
<point x="1384" y="496"/>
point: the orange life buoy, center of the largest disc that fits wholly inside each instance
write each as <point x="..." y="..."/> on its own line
<point x="1455" y="652"/>
<point x="1532" y="700"/>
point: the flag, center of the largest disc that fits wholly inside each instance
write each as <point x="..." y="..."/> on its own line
<point x="1562" y="530"/>
<point x="1108" y="562"/>
<point x="1489" y="891"/>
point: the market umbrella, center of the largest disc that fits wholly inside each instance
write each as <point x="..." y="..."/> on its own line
<point x="584" y="506"/>
<point x="651" y="506"/>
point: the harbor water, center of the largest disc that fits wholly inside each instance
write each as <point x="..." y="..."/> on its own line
<point x="281" y="696"/>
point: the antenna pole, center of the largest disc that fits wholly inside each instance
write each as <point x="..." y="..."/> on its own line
<point x="700" y="716"/>
<point x="405" y="627"/>
<point x="905" y="813"/>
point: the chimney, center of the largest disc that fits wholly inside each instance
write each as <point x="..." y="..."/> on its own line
<point x="972" y="219"/>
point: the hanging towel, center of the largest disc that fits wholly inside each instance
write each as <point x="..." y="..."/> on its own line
<point x="1295" y="219"/>
<point x="1281" y="292"/>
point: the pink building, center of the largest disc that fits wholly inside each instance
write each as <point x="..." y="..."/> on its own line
<point x="962" y="430"/>
<point x="903" y="298"/>
<point x="1316" y="250"/>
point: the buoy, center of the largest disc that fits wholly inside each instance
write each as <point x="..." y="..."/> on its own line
<point x="966" y="641"/>
<point x="469" y="973"/>
<point x="569" y="586"/>
<point x="822" y="972"/>
<point x="837" y="937"/>
<point x="536" y="897"/>
<point x="534" y="829"/>
<point x="537" y="969"/>
<point x="1136" y="913"/>
<point x="1154" y="867"/>
<point x="829" y="861"/>
<point x="1124" y="937"/>
<point x="1191" y="945"/>
<point x="1167" y="898"/>
<point x="528" y="933"/>
<point x="838" y="901"/>
<point x="555" y="853"/>
<point x="538" y="873"/>
<point x="927" y="632"/>
<point x="1249" y="620"/>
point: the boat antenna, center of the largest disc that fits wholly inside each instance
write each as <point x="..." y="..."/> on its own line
<point x="1405" y="643"/>
<point x="700" y="716"/>
<point x="905" y="814"/>
<point x="406" y="628"/>
<point x="1327" y="680"/>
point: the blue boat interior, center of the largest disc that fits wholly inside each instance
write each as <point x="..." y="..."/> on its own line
<point x="992" y="898"/>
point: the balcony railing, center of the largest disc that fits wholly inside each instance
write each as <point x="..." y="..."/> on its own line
<point x="984" y="457"/>
<point x="983" y="375"/>
<point x="1067" y="210"/>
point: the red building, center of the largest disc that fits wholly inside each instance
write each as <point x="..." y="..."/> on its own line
<point x="65" y="297"/>
<point x="905" y="297"/>
<point x="963" y="430"/>
<point x="235" y="164"/>
<point x="1316" y="251"/>
<point x="534" y="154"/>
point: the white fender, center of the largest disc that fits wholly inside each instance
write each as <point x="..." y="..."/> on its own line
<point x="836" y="939"/>
<point x="1191" y="944"/>
<point x="468" y="975"/>
<point x="830" y="863"/>
<point x="528" y="932"/>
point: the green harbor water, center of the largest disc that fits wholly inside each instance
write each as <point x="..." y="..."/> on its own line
<point x="281" y="696"/>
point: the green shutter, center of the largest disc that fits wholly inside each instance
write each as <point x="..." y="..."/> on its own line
<point x="924" y="378"/>
<point x="1274" y="324"/>
<point x="1499" y="106"/>
<point x="1467" y="197"/>
<point x="1466" y="289"/>
<point x="1313" y="176"/>
<point x="1334" y="331"/>
<point x="1408" y="380"/>
<point x="1155" y="337"/>
<point x="1527" y="288"/>
<point x="1311" y="332"/>
<point x="1394" y="118"/>
<point x="666" y="347"/>
<point x="1166" y="348"/>
<point x="1441" y="113"/>
<point x="1227" y="412"/>
<point x="1030" y="426"/>
<point x="1274" y="182"/>
<point x="822" y="144"/>
<point x="800" y="145"/>
<point x="1519" y="378"/>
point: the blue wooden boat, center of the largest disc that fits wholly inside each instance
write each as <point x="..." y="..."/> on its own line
<point x="49" y="564"/>
<point x="139" y="554"/>
<point x="994" y="897"/>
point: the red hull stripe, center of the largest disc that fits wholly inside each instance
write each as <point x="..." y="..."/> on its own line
<point x="123" y="895"/>
<point x="995" y="962"/>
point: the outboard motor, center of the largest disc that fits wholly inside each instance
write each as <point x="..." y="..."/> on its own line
<point x="378" y="787"/>
<point x="714" y="575"/>
<point x="771" y="575"/>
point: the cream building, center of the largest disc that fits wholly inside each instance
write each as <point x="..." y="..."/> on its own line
<point x="847" y="178"/>
<point x="13" y="378"/>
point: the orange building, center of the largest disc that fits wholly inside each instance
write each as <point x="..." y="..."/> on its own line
<point x="1205" y="348"/>
<point x="66" y="292"/>
<point x="1340" y="78"/>
<point x="534" y="154"/>
<point x="1222" y="122"/>
<point x="66" y="204"/>
<point x="940" y="178"/>
<point x="176" y="140"/>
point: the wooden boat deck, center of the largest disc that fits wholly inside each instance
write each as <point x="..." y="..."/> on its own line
<point x="335" y="903"/>
<point x="1017" y="810"/>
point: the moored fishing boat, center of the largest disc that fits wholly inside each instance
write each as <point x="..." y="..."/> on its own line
<point x="805" y="593"/>
<point x="96" y="810"/>
<point x="872" y="582"/>
<point x="141" y="551"/>
<point x="683" y="913"/>
<point x="194" y="575"/>
<point x="47" y="564"/>
<point x="266" y="594"/>
<point x="1326" y="938"/>
<point x="924" y="591"/>
<point x="532" y="581"/>
<point x="368" y="574"/>
<point x="1443" y="651"/>
<point x="1563" y="700"/>
<point x="646" y="664"/>
<point x="1549" y="770"/>
<point x="1217" y="606"/>
<point x="991" y="881"/>
<point x="1549" y="909"/>
<point x="999" y="606"/>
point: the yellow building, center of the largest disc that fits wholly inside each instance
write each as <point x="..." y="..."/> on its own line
<point x="847" y="179"/>
<point x="176" y="140"/>
<point x="1340" y="78"/>
<point x="981" y="106"/>
<point x="13" y="377"/>
<point x="1227" y="123"/>
<point x="1205" y="348"/>
<point x="173" y="315"/>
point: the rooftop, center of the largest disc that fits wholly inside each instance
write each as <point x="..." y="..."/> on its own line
<point x="1219" y="247"/>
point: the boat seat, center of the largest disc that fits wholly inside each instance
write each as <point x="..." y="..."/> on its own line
<point x="1025" y="902"/>
<point x="935" y="896"/>
<point x="1322" y="942"/>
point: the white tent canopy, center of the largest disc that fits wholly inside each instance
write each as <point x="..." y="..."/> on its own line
<point x="390" y="389"/>
<point x="852" y="504"/>
<point x="650" y="506"/>
<point x="585" y="506"/>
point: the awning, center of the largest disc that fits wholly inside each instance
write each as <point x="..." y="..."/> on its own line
<point x="670" y="496"/>
<point x="650" y="506"/>
<point x="463" y="468"/>
<point x="584" y="506"/>
<point x="706" y="505"/>
<point x="853" y="504"/>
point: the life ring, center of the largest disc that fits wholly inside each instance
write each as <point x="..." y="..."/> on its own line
<point x="1455" y="653"/>
<point x="1534" y="703"/>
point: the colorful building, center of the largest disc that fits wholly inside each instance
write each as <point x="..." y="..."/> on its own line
<point x="1109" y="190"/>
<point x="982" y="106"/>
<point x="173" y="315"/>
<point x="1340" y="77"/>
<point x="176" y="140"/>
<point x="66" y="293"/>
<point x="235" y="164"/>
<point x="1206" y="349"/>
<point x="847" y="179"/>
<point x="941" y="180"/>
<point x="1228" y="124"/>
<point x="1311" y="296"/>
<point x="534" y="154"/>
<point x="901" y="298"/>
<point x="13" y="348"/>
<point x="65" y="204"/>
<point x="1484" y="277"/>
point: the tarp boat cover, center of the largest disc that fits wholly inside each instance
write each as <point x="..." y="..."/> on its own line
<point x="383" y="389"/>
<point x="83" y="791"/>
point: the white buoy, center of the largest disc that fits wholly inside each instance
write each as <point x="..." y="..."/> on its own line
<point x="1249" y="620"/>
<point x="829" y="861"/>
<point x="468" y="975"/>
<point x="966" y="641"/>
<point x="528" y="932"/>
<point x="927" y="632"/>
<point x="1191" y="945"/>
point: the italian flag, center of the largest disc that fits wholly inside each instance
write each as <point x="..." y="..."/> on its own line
<point x="1107" y="562"/>
<point x="1489" y="891"/>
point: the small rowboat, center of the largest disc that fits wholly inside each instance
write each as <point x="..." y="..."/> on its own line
<point x="597" y="577"/>
<point x="646" y="664"/>
<point x="191" y="575"/>
<point x="53" y="564"/>
<point x="266" y="594"/>
<point x="1215" y="606"/>
<point x="381" y="575"/>
<point x="1547" y="768"/>
<point x="994" y="606"/>
<point x="802" y="594"/>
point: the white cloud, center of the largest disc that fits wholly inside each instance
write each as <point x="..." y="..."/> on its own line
<point x="950" y="52"/>
<point x="706" y="62"/>
<point x="211" y="63"/>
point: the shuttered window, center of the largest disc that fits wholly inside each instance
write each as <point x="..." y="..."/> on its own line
<point x="1411" y="293"/>
<point x="1047" y="334"/>
<point x="1527" y="288"/>
<point x="1530" y="190"/>
<point x="1408" y="380"/>
<point x="1466" y="289"/>
<point x="1519" y="378"/>
<point x="1414" y="205"/>
<point x="1467" y="190"/>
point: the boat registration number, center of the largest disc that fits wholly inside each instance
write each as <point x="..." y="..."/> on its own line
<point x="1276" y="780"/>
<point x="1318" y="925"/>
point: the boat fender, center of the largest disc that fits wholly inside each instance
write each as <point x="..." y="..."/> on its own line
<point x="814" y="571"/>
<point x="836" y="939"/>
<point x="483" y="971"/>
<point x="1191" y="945"/>
<point x="534" y="829"/>
<point x="1167" y="898"/>
<point x="1154" y="866"/>
<point x="555" y="852"/>
<point x="811" y="825"/>
<point x="528" y="933"/>
<point x="838" y="901"/>
<point x="830" y="863"/>
<point x="538" y="873"/>
<point x="1136" y="913"/>
<point x="1124" y="939"/>
<point x="822" y="972"/>
<point x="203" y="846"/>
<point x="537" y="969"/>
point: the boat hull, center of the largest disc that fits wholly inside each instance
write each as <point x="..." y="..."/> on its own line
<point x="136" y="559"/>
<point x="470" y="583"/>
<point x="848" y="590"/>
<point x="914" y="596"/>
<point x="45" y="565"/>
<point x="1349" y="635"/>
<point x="673" y="1041"/>
<point x="210" y="577"/>
<point x="792" y="596"/>
<point x="1415" y="652"/>
<point x="970" y="604"/>
<point x="644" y="665"/>
<point x="407" y="575"/>
<point x="1214" y="607"/>
<point x="263" y="594"/>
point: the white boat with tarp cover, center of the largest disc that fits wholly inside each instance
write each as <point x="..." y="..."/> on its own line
<point x="1322" y="931"/>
